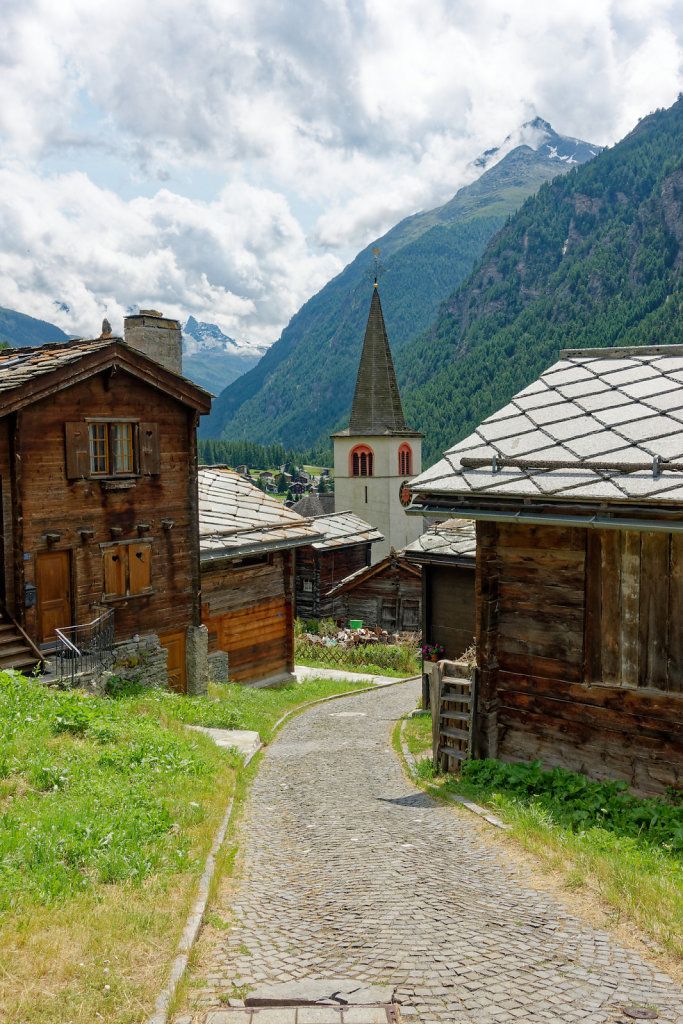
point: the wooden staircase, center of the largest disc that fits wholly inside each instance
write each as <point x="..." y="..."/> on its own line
<point x="452" y="700"/>
<point x="17" y="650"/>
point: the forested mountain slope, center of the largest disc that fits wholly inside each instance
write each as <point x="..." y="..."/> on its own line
<point x="594" y="259"/>
<point x="303" y="386"/>
<point x="19" y="329"/>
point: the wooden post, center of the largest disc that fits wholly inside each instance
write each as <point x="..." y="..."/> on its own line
<point x="434" y="671"/>
<point x="485" y="740"/>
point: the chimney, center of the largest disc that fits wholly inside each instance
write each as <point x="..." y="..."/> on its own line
<point x="157" y="337"/>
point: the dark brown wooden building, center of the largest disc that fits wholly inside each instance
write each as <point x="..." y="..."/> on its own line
<point x="343" y="548"/>
<point x="99" y="498"/>
<point x="247" y="545"/>
<point x="446" y="553"/>
<point x="577" y="490"/>
<point x="387" y="594"/>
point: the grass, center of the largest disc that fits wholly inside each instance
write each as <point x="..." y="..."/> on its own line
<point x="397" y="660"/>
<point x="627" y="852"/>
<point x="107" y="810"/>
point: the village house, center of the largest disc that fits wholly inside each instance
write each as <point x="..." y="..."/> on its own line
<point x="344" y="547"/>
<point x="576" y="487"/>
<point x="98" y="466"/>
<point x="387" y="595"/>
<point x="247" y="546"/>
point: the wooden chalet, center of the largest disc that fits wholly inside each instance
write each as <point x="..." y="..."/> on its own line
<point x="387" y="594"/>
<point x="344" y="547"/>
<point x="98" y="468"/>
<point x="446" y="554"/>
<point x="247" y="544"/>
<point x="576" y="487"/>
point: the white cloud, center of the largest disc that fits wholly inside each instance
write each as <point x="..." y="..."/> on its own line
<point x="329" y="120"/>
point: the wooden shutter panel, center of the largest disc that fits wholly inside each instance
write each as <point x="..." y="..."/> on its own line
<point x="114" y="571"/>
<point x="150" y="455"/>
<point x="139" y="568"/>
<point x="77" y="450"/>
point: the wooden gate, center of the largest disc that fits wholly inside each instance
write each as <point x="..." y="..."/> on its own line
<point x="53" y="582"/>
<point x="174" y="642"/>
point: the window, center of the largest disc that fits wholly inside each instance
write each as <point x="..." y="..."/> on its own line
<point x="361" y="461"/>
<point x="111" y="448"/>
<point x="127" y="570"/>
<point x="405" y="460"/>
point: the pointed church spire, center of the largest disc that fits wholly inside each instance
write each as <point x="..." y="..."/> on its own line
<point x="376" y="405"/>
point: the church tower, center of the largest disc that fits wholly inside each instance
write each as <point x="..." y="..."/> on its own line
<point x="376" y="455"/>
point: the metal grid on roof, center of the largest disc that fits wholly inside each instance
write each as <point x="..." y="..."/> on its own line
<point x="236" y="517"/>
<point x="603" y="424"/>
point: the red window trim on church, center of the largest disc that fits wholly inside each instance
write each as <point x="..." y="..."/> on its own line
<point x="361" y="461"/>
<point x="405" y="460"/>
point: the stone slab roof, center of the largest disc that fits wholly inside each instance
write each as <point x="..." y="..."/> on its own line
<point x="601" y="425"/>
<point x="453" y="539"/>
<point x="315" y="504"/>
<point x="21" y="369"/>
<point x="237" y="518"/>
<point x="340" y="529"/>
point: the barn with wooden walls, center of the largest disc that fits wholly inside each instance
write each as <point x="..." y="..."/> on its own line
<point x="99" y="502"/>
<point x="387" y="594"/>
<point x="343" y="548"/>
<point x="247" y="545"/>
<point x="446" y="553"/>
<point x="577" y="491"/>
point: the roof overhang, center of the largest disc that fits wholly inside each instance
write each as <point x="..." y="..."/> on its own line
<point x="248" y="547"/>
<point x="594" y="520"/>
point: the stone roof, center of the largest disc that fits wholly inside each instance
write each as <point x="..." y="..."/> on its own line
<point x="599" y="426"/>
<point x="340" y="529"/>
<point x="454" y="539"/>
<point x="376" y="408"/>
<point x="237" y="518"/>
<point x="24" y="368"/>
<point x="315" y="504"/>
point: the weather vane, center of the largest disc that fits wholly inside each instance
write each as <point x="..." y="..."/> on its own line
<point x="377" y="269"/>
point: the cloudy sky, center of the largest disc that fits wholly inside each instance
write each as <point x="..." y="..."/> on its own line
<point x="225" y="158"/>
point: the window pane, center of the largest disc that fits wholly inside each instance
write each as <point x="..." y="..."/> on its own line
<point x="99" y="458"/>
<point x="122" y="439"/>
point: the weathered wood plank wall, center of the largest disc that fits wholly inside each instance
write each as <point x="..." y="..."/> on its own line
<point x="579" y="655"/>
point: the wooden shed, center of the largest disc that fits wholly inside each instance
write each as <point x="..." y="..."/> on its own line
<point x="247" y="545"/>
<point x="343" y="548"/>
<point x="446" y="554"/>
<point x="577" y="491"/>
<point x="387" y="594"/>
<point x="98" y="469"/>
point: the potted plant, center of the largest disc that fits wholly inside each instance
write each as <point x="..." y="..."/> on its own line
<point x="432" y="652"/>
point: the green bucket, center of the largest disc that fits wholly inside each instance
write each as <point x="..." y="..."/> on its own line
<point x="356" y="624"/>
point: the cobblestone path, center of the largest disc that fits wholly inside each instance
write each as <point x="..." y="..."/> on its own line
<point x="351" y="872"/>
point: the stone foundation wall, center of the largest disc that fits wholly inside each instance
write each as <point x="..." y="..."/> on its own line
<point x="218" y="667"/>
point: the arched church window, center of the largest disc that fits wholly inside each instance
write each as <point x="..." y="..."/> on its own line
<point x="405" y="460"/>
<point x="361" y="461"/>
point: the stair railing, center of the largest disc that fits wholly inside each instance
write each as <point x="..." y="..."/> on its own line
<point x="86" y="647"/>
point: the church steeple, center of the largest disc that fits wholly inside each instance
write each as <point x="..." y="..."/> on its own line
<point x="376" y="405"/>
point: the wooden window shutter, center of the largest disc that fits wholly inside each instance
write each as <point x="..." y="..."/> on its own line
<point x="139" y="568"/>
<point x="77" y="450"/>
<point x="150" y="454"/>
<point x="114" y="571"/>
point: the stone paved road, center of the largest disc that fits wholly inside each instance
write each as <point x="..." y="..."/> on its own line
<point x="351" y="872"/>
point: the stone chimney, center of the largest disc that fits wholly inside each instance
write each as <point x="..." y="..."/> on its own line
<point x="157" y="337"/>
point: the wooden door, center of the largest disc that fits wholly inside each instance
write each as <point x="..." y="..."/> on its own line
<point x="53" y="580"/>
<point x="174" y="642"/>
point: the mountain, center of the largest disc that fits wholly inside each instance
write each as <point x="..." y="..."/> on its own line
<point x="303" y="386"/>
<point x="212" y="358"/>
<point x="594" y="259"/>
<point x="21" y="330"/>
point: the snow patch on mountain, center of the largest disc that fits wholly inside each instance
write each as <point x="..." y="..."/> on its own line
<point x="202" y="337"/>
<point x="540" y="136"/>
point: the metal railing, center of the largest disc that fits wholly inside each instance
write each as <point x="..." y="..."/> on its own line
<point x="84" y="648"/>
